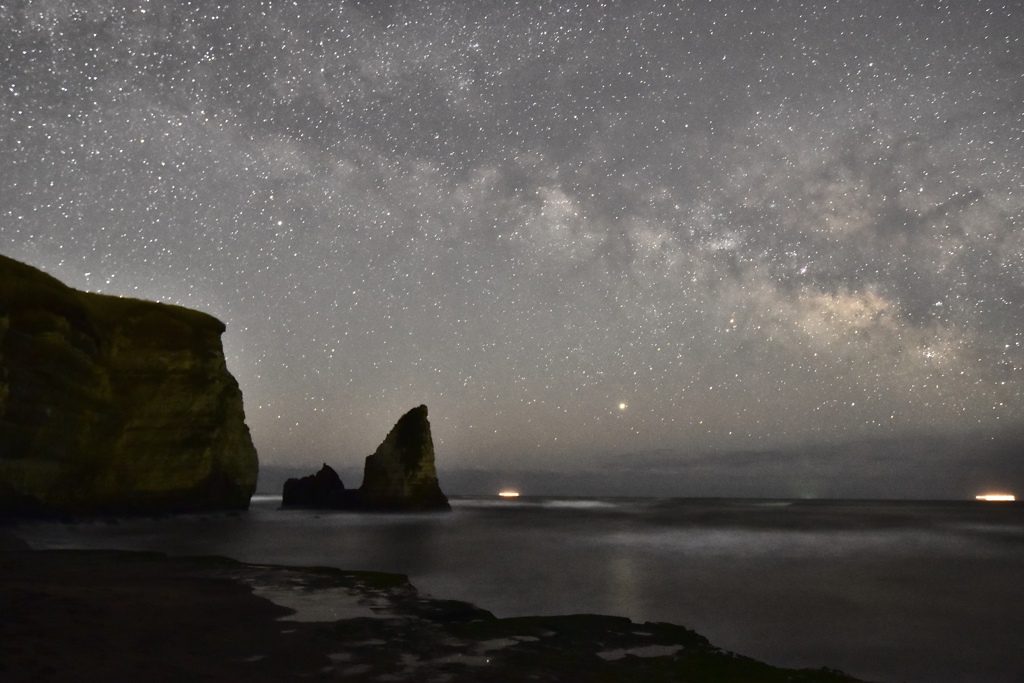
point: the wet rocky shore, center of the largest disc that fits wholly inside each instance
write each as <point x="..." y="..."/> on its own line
<point x="115" y="615"/>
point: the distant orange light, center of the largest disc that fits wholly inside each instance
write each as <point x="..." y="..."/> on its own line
<point x="993" y="497"/>
<point x="509" y="494"/>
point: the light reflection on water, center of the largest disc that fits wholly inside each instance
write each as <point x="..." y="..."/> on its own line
<point x="521" y="502"/>
<point x="751" y="543"/>
<point x="881" y="590"/>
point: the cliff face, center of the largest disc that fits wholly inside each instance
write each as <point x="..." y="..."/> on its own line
<point x="401" y="472"/>
<point x="114" y="405"/>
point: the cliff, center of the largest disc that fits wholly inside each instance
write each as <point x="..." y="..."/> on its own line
<point x="114" y="405"/>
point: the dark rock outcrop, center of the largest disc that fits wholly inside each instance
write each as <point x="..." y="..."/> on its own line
<point x="323" y="490"/>
<point x="401" y="472"/>
<point x="114" y="405"/>
<point x="400" y="475"/>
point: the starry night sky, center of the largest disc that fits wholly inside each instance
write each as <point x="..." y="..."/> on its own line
<point x="576" y="231"/>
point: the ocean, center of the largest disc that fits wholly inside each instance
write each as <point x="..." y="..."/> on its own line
<point x="910" y="592"/>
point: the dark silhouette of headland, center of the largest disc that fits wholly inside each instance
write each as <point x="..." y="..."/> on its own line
<point x="114" y="406"/>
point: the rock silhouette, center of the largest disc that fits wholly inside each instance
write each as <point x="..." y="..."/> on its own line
<point x="321" y="490"/>
<point x="399" y="475"/>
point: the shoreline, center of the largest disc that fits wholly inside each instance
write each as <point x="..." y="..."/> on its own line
<point x="127" y="615"/>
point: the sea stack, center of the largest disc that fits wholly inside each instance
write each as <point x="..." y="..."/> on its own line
<point x="111" y="405"/>
<point x="323" y="490"/>
<point x="399" y="476"/>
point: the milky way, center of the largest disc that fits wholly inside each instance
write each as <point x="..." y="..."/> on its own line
<point x="751" y="226"/>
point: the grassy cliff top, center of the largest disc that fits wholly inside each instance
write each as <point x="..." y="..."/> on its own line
<point x="25" y="290"/>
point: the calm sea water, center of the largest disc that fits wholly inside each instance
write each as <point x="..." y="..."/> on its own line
<point x="887" y="591"/>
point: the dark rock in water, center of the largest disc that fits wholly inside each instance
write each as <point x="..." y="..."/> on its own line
<point x="111" y="405"/>
<point x="321" y="490"/>
<point x="400" y="475"/>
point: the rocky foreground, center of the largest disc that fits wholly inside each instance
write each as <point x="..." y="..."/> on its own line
<point x="123" y="616"/>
